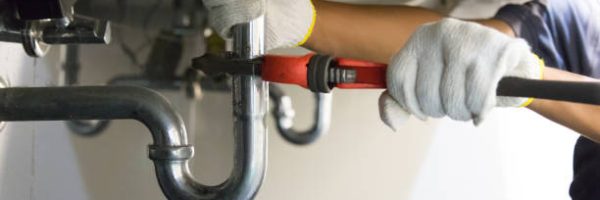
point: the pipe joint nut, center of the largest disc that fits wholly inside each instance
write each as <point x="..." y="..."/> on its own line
<point x="170" y="153"/>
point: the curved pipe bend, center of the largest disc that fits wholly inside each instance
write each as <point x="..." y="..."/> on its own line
<point x="284" y="117"/>
<point x="170" y="151"/>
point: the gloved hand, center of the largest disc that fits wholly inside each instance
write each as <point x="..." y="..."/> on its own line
<point x="452" y="68"/>
<point x="288" y="22"/>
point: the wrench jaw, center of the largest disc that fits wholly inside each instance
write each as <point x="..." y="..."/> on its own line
<point x="213" y="65"/>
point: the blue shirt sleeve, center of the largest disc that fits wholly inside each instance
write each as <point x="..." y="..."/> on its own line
<point x="565" y="33"/>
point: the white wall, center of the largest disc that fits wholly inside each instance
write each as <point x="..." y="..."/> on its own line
<point x="37" y="160"/>
<point x="515" y="154"/>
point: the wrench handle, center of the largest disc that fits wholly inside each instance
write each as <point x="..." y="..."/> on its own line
<point x="577" y="92"/>
<point x="293" y="70"/>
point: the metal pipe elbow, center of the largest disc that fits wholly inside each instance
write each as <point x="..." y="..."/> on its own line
<point x="89" y="103"/>
<point x="177" y="183"/>
<point x="284" y="117"/>
<point x="156" y="113"/>
<point x="171" y="160"/>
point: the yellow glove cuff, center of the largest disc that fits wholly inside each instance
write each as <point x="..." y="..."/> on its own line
<point x="542" y="65"/>
<point x="312" y="26"/>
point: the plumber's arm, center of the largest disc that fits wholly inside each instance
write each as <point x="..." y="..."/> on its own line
<point x="371" y="32"/>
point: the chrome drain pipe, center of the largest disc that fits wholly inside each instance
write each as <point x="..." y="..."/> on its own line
<point x="250" y="103"/>
<point x="96" y="102"/>
<point x="171" y="150"/>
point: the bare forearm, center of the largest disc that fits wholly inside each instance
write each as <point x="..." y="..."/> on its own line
<point x="582" y="118"/>
<point x="376" y="33"/>
<point x="373" y="33"/>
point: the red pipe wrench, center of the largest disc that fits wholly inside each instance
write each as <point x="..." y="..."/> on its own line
<point x="321" y="73"/>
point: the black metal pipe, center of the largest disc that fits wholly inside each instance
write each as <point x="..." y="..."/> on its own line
<point x="89" y="103"/>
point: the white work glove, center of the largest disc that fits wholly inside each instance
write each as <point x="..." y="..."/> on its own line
<point x="288" y="22"/>
<point x="452" y="68"/>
